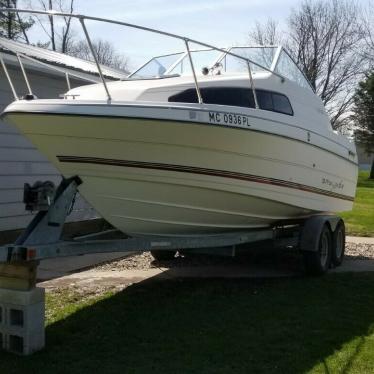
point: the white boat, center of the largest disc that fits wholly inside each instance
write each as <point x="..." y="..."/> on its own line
<point x="185" y="146"/>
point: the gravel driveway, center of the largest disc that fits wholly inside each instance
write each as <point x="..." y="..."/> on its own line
<point x="144" y="261"/>
<point x="359" y="251"/>
<point x="119" y="274"/>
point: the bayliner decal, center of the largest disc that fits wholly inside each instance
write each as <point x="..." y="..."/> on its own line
<point x="229" y="119"/>
<point x="334" y="185"/>
<point x="203" y="171"/>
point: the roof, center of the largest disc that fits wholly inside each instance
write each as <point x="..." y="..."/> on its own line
<point x="59" y="59"/>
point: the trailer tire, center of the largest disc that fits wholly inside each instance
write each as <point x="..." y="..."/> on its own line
<point x="338" y="244"/>
<point x="161" y="255"/>
<point x="318" y="262"/>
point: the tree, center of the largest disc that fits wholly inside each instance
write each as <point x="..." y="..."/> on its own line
<point x="60" y="36"/>
<point x="324" y="37"/>
<point x="12" y="25"/>
<point x="364" y="115"/>
<point x="266" y="34"/>
<point x="105" y="53"/>
<point x="368" y="23"/>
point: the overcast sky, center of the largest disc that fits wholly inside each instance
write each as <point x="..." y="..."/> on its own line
<point x="219" y="22"/>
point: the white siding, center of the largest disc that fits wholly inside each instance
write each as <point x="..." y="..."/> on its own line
<point x="20" y="162"/>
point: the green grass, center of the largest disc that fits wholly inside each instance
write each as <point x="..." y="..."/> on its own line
<point x="300" y="325"/>
<point x="360" y="221"/>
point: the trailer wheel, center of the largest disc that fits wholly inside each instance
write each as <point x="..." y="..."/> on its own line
<point x="338" y="244"/>
<point x="318" y="262"/>
<point x="161" y="255"/>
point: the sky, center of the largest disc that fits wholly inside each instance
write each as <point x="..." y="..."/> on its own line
<point x="219" y="22"/>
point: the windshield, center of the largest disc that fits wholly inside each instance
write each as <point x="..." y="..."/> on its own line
<point x="157" y="66"/>
<point x="200" y="59"/>
<point x="177" y="63"/>
<point x="218" y="62"/>
<point x="263" y="56"/>
<point x="288" y="68"/>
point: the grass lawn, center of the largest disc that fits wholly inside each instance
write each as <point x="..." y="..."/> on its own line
<point x="360" y="221"/>
<point x="300" y="325"/>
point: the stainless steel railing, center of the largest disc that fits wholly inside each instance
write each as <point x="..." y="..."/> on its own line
<point x="185" y="40"/>
<point x="8" y="78"/>
<point x="21" y="56"/>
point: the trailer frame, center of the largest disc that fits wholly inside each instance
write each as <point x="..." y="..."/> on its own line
<point x="42" y="237"/>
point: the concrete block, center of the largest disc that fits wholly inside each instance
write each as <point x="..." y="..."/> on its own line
<point x="18" y="276"/>
<point x="33" y="296"/>
<point x="22" y="320"/>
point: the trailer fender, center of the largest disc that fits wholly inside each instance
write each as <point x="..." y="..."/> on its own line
<point x="312" y="229"/>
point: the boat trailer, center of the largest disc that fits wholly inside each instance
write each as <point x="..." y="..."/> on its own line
<point x="320" y="238"/>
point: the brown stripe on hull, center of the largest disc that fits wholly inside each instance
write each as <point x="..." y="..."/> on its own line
<point x="203" y="171"/>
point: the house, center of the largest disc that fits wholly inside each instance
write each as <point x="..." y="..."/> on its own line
<point x="365" y="159"/>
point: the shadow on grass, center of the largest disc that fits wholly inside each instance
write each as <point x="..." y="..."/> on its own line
<point x="211" y="326"/>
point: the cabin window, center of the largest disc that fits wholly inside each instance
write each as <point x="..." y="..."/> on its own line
<point x="236" y="96"/>
<point x="281" y="104"/>
<point x="264" y="99"/>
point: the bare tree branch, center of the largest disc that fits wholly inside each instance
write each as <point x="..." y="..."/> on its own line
<point x="368" y="24"/>
<point x="265" y="34"/>
<point x="59" y="37"/>
<point x="105" y="53"/>
<point x="66" y="29"/>
<point x="326" y="38"/>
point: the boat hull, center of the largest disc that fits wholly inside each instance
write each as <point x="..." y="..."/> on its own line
<point x="172" y="177"/>
<point x="21" y="163"/>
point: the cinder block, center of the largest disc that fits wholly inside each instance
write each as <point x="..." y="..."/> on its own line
<point x="23" y="317"/>
<point x="15" y="297"/>
<point x="23" y="344"/>
<point x="18" y="276"/>
<point x="16" y="317"/>
<point x="16" y="344"/>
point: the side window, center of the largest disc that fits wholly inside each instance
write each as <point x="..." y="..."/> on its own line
<point x="274" y="102"/>
<point x="236" y="96"/>
<point x="233" y="96"/>
<point x="282" y="104"/>
<point x="187" y="96"/>
<point x="264" y="100"/>
<point x="220" y="96"/>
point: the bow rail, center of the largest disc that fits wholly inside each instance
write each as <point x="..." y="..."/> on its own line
<point x="185" y="40"/>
